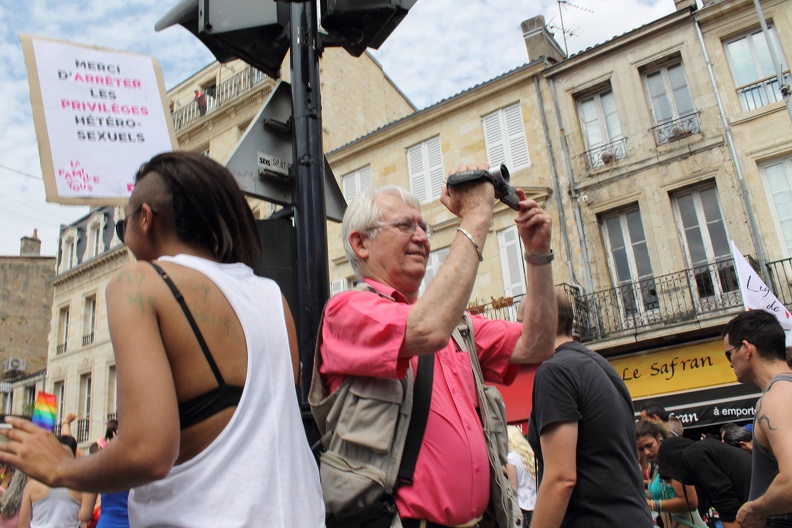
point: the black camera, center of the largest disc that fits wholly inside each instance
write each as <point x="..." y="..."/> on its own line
<point x="497" y="176"/>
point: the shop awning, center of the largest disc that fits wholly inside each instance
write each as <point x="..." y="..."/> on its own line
<point x="706" y="407"/>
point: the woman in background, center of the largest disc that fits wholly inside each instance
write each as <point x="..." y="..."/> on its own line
<point x="522" y="472"/>
<point x="675" y="503"/>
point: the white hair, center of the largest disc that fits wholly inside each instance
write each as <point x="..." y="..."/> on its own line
<point x="363" y="213"/>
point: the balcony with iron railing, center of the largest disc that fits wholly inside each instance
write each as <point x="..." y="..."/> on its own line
<point x="88" y="339"/>
<point x="691" y="296"/>
<point x="761" y="93"/>
<point x="60" y="349"/>
<point x="603" y="155"/>
<point x="83" y="429"/>
<point x="112" y="416"/>
<point x="229" y="89"/>
<point x="677" y="129"/>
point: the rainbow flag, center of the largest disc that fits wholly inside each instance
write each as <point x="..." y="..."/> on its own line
<point x="44" y="411"/>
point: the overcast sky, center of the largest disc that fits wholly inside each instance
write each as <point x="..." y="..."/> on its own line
<point x="441" y="48"/>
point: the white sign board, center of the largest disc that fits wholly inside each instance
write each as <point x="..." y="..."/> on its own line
<point x="757" y="296"/>
<point x="99" y="114"/>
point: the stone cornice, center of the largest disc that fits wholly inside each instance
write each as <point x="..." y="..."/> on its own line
<point x="92" y="264"/>
<point x="619" y="43"/>
<point x="437" y="113"/>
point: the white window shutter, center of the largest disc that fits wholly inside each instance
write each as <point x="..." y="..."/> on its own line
<point x="415" y="166"/>
<point x="356" y="181"/>
<point x="436" y="259"/>
<point x="434" y="156"/>
<point x="511" y="262"/>
<point x="364" y="178"/>
<point x="515" y="132"/>
<point x="493" y="138"/>
<point x="337" y="286"/>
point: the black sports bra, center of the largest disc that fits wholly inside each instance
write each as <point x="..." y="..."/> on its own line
<point x="208" y="404"/>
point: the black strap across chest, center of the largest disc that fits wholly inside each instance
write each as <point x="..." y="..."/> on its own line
<point x="210" y="403"/>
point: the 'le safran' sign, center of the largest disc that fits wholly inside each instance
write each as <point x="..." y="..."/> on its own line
<point x="678" y="369"/>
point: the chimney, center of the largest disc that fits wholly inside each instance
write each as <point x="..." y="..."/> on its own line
<point x="684" y="4"/>
<point x="30" y="246"/>
<point x="539" y="41"/>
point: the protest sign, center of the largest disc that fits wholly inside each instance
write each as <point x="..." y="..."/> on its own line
<point x="757" y="296"/>
<point x="98" y="115"/>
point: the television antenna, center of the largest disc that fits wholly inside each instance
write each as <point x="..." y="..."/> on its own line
<point x="571" y="31"/>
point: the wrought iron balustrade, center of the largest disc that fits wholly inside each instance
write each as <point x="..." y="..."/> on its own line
<point x="606" y="154"/>
<point x="83" y="429"/>
<point x="651" y="303"/>
<point x="112" y="416"/>
<point x="780" y="272"/>
<point x="60" y="349"/>
<point x="761" y="93"/>
<point x="677" y="129"/>
<point x="88" y="339"/>
<point x="225" y="91"/>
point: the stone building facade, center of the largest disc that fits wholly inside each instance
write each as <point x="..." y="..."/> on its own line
<point x="25" y="309"/>
<point x="651" y="151"/>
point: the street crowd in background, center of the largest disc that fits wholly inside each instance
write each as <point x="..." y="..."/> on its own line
<point x="212" y="435"/>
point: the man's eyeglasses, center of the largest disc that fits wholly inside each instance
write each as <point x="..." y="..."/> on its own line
<point x="121" y="224"/>
<point x="409" y="226"/>
<point x="731" y="351"/>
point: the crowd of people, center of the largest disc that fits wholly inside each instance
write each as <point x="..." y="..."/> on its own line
<point x="206" y="356"/>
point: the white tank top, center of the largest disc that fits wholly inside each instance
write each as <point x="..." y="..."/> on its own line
<point x="259" y="471"/>
<point x="58" y="509"/>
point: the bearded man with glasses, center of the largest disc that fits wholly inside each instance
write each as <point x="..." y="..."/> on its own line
<point x="755" y="345"/>
<point x="381" y="332"/>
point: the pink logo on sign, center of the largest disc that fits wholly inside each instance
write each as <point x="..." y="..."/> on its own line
<point x="77" y="178"/>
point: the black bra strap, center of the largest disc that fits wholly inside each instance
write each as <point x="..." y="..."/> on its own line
<point x="193" y="324"/>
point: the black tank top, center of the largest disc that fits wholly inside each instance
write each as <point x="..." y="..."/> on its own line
<point x="210" y="403"/>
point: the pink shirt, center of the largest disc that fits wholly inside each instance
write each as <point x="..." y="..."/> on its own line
<point x="362" y="335"/>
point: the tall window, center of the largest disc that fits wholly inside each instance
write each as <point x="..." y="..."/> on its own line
<point x="436" y="259"/>
<point x="628" y="256"/>
<point x="83" y="424"/>
<point x="356" y="181"/>
<point x="112" y="393"/>
<point x="59" y="390"/>
<point x="504" y="136"/>
<point x="68" y="254"/>
<point x="706" y="243"/>
<point x="425" y="165"/>
<point x="601" y="128"/>
<point x="30" y="400"/>
<point x="95" y="239"/>
<point x="752" y="68"/>
<point x="63" y="330"/>
<point x="668" y="93"/>
<point x="778" y="177"/>
<point x="89" y="320"/>
<point x="511" y="257"/>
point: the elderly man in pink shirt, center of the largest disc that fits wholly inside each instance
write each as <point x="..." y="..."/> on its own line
<point x="379" y="335"/>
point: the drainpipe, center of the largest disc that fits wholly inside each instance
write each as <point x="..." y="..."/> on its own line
<point x="737" y="166"/>
<point x="559" y="201"/>
<point x="572" y="193"/>
<point x="785" y="88"/>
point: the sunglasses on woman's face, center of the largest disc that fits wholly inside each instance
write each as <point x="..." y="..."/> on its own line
<point x="121" y="224"/>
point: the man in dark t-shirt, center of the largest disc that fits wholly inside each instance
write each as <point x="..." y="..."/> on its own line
<point x="583" y="433"/>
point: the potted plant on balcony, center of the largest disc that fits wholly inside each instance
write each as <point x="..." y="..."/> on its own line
<point x="475" y="308"/>
<point x="502" y="302"/>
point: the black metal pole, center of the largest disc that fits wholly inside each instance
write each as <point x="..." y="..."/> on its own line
<point x="309" y="204"/>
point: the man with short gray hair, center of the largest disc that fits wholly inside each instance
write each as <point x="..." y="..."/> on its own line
<point x="381" y="333"/>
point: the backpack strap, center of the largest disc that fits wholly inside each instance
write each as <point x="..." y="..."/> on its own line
<point x="422" y="397"/>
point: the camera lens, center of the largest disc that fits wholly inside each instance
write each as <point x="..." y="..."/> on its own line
<point x="500" y="172"/>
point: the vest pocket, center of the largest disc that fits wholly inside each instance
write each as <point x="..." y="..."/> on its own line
<point x="371" y="413"/>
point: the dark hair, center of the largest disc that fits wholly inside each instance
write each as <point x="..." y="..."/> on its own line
<point x="652" y="408"/>
<point x="68" y="441"/>
<point x="733" y="434"/>
<point x="762" y="330"/>
<point x="112" y="429"/>
<point x="670" y="460"/>
<point x="93" y="448"/>
<point x="209" y="210"/>
<point x="566" y="315"/>
<point x="646" y="428"/>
